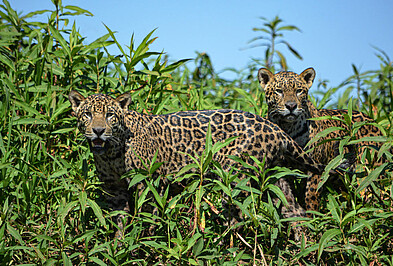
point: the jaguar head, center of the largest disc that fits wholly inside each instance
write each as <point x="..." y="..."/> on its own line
<point x="286" y="93"/>
<point x="100" y="118"/>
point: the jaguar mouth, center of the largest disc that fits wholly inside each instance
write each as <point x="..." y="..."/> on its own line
<point x="289" y="117"/>
<point x="98" y="142"/>
<point x="98" y="146"/>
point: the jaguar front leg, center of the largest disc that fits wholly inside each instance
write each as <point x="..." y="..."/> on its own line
<point x="117" y="196"/>
<point x="312" y="193"/>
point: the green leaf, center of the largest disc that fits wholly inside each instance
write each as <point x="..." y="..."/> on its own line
<point x="97" y="261"/>
<point x="142" y="198"/>
<point x="79" y="11"/>
<point x="278" y="192"/>
<point x="30" y="121"/>
<point x="7" y="61"/>
<point x="293" y="51"/>
<point x="66" y="259"/>
<point x="157" y="196"/>
<point x="153" y="165"/>
<point x="64" y="212"/>
<point x="323" y="134"/>
<point x="5" y="165"/>
<point x="326" y="237"/>
<point x="371" y="177"/>
<point x="191" y="261"/>
<point x="333" y="164"/>
<point x="174" y="65"/>
<point x="59" y="173"/>
<point x="63" y="130"/>
<point x="15" y="234"/>
<point x="191" y="242"/>
<point x="143" y="46"/>
<point x="288" y="27"/>
<point x="34" y="13"/>
<point x="97" y="211"/>
<point x="112" y="34"/>
<point x="136" y="59"/>
<point x="82" y="200"/>
<point x="306" y="251"/>
<point x="246" y="95"/>
<point x="198" y="247"/>
<point x="356" y="227"/>
<point x="283" y="61"/>
<point x="334" y="209"/>
<point x="61" y="40"/>
<point x="224" y="188"/>
<point x="45" y="237"/>
<point x="206" y="161"/>
<point x="137" y="178"/>
<point x="85" y="235"/>
<point x="221" y="144"/>
<point x="186" y="169"/>
<point x="369" y="139"/>
<point x="172" y="203"/>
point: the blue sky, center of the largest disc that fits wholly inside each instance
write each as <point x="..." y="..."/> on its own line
<point x="334" y="34"/>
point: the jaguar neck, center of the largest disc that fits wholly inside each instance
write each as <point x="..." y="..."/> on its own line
<point x="138" y="125"/>
<point x="312" y="111"/>
<point x="298" y="129"/>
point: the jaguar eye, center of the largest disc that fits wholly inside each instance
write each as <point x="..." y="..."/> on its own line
<point x="298" y="92"/>
<point x="279" y="91"/>
<point x="87" y="115"/>
<point x="109" y="115"/>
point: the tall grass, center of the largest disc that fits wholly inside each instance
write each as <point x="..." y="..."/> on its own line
<point x="50" y="206"/>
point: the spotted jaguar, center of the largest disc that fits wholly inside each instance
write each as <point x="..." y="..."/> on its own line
<point x="289" y="107"/>
<point x="121" y="139"/>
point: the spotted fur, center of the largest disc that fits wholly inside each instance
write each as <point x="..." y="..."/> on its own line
<point x="289" y="107"/>
<point x="119" y="138"/>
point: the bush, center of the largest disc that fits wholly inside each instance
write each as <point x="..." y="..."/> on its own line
<point x="50" y="206"/>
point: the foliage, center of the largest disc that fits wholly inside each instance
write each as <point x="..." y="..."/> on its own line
<point x="273" y="36"/>
<point x="50" y="206"/>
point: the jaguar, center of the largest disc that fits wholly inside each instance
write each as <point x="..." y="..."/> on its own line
<point x="122" y="139"/>
<point x="289" y="107"/>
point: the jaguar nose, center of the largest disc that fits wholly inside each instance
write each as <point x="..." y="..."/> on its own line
<point x="98" y="131"/>
<point x="291" y="106"/>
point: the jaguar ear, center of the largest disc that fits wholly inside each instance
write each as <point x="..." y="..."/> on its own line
<point x="264" y="77"/>
<point x="308" y="75"/>
<point x="75" y="99"/>
<point x="124" y="100"/>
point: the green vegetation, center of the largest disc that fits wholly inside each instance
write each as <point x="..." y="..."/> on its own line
<point x="50" y="209"/>
<point x="272" y="37"/>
